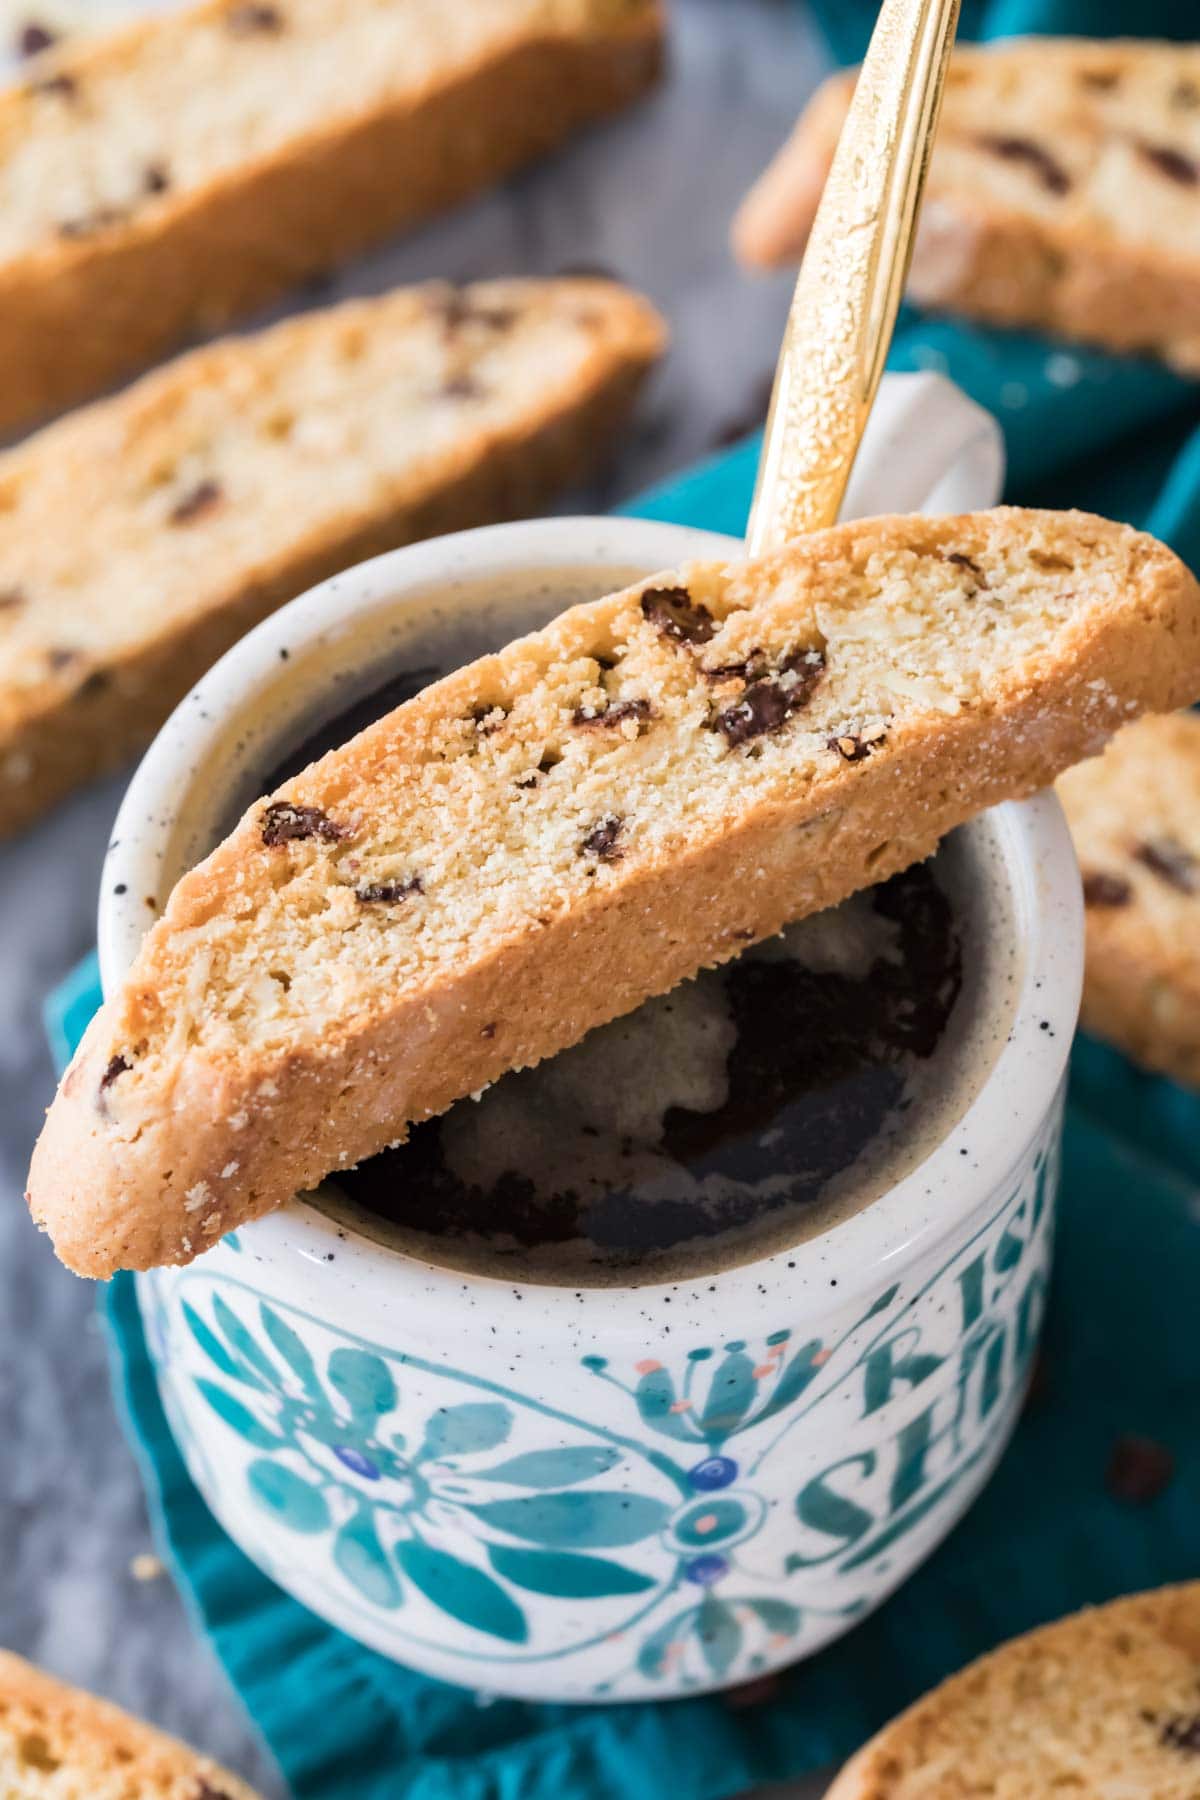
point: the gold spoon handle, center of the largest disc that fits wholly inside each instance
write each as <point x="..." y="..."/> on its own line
<point x="848" y="291"/>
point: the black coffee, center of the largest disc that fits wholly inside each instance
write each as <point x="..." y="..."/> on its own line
<point x="729" y="1119"/>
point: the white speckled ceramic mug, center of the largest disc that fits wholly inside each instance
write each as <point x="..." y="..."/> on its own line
<point x="628" y="1492"/>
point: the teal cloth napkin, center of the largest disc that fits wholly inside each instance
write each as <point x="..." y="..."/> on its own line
<point x="847" y="23"/>
<point x="1121" y="1355"/>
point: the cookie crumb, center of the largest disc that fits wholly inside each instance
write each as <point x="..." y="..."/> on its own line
<point x="1103" y="889"/>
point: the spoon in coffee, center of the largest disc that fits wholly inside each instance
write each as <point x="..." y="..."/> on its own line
<point x="847" y="295"/>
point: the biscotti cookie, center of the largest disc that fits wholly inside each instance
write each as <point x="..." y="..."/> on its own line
<point x="141" y="537"/>
<point x="174" y="174"/>
<point x="546" y="837"/>
<point x="1104" y="1705"/>
<point x="1064" y="192"/>
<point x="57" y="1743"/>
<point x="1135" y="818"/>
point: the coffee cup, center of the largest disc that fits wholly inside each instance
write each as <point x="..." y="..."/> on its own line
<point x="626" y="1490"/>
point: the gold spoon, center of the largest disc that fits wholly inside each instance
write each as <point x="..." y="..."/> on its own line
<point x="848" y="291"/>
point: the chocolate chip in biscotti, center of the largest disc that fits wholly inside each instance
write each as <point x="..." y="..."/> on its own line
<point x="672" y="611"/>
<point x="463" y="386"/>
<point x="961" y="561"/>
<point x="1100" y="81"/>
<point x="204" y="498"/>
<point x="1172" y="163"/>
<point x="457" y="309"/>
<point x="1182" y="1733"/>
<point x="11" y="599"/>
<point x="602" y="840"/>
<point x="1051" y="174"/>
<point x="1102" y="889"/>
<point x="34" y="37"/>
<point x="586" y="717"/>
<point x="253" y="20"/>
<point x="89" y="224"/>
<point x="1185" y="96"/>
<point x="747" y="670"/>
<point x="487" y="719"/>
<point x="857" y="746"/>
<point x="117" y="1065"/>
<point x="1167" y="858"/>
<point x="1139" y="1470"/>
<point x="283" y="822"/>
<point x="62" y="84"/>
<point x="155" y="179"/>
<point x="389" y="893"/>
<point x="771" y="700"/>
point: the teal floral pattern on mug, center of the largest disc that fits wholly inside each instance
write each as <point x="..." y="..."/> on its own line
<point x="694" y="1517"/>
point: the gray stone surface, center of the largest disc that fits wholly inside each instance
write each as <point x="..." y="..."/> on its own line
<point x="649" y="197"/>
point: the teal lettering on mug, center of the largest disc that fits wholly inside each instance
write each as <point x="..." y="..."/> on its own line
<point x="822" y="1508"/>
<point x="970" y="1287"/>
<point x="1029" y="1313"/>
<point x="890" y="1363"/>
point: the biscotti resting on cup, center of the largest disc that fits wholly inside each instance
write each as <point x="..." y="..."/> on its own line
<point x="57" y="1743"/>
<point x="140" y="538"/>
<point x="1064" y="192"/>
<point x="174" y="175"/>
<point x="543" y="839"/>
<point x="1135" y="818"/>
<point x="1104" y="1705"/>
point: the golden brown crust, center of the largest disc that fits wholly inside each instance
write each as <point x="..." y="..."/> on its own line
<point x="1102" y="1702"/>
<point x="56" y="1741"/>
<point x="1135" y="817"/>
<point x="78" y="312"/>
<point x="541" y="428"/>
<point x="265" y="1046"/>
<point x="1061" y="194"/>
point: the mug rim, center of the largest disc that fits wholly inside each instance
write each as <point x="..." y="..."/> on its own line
<point x="968" y="1165"/>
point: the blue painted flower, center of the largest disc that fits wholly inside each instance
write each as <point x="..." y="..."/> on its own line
<point x="705" y="1571"/>
<point x="356" y="1462"/>
<point x="714" y="1472"/>
<point x="432" y="1512"/>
